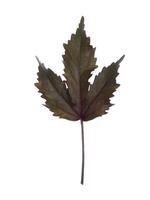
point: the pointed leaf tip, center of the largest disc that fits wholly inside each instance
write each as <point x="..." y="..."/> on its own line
<point x="41" y="65"/>
<point x="81" y="24"/>
<point x="120" y="60"/>
<point x="38" y="60"/>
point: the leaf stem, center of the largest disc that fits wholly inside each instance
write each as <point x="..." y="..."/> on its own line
<point x="82" y="138"/>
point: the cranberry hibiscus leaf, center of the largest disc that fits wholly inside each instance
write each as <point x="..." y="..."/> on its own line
<point x="75" y="98"/>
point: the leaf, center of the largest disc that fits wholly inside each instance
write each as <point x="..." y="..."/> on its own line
<point x="98" y="97"/>
<point x="75" y="98"/>
<point x="79" y="62"/>
<point x="53" y="89"/>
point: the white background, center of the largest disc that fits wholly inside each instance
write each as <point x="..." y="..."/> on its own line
<point x="40" y="155"/>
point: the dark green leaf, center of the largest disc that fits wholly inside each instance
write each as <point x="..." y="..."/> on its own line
<point x="98" y="97"/>
<point x="53" y="89"/>
<point x="75" y="98"/>
<point x="79" y="62"/>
